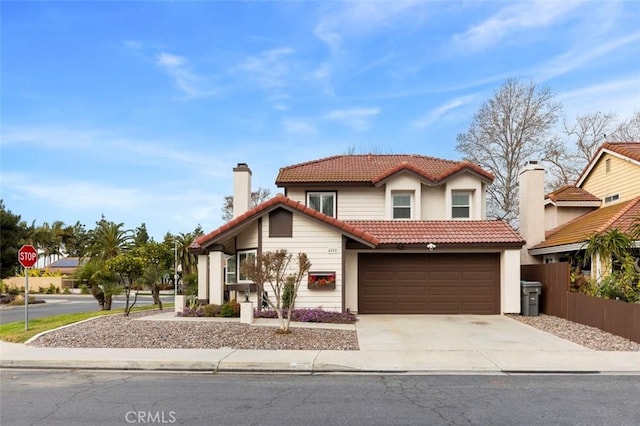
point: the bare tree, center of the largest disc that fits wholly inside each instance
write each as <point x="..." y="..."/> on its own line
<point x="509" y="129"/>
<point x="258" y="196"/>
<point x="273" y="268"/>
<point x="628" y="130"/>
<point x="589" y="132"/>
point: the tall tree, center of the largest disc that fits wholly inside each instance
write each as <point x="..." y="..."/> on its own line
<point x="628" y="130"/>
<point x="12" y="232"/>
<point x="258" y="196"/>
<point x="509" y="129"/>
<point x="110" y="239"/>
<point x="141" y="235"/>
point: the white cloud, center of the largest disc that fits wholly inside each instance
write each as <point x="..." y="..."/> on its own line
<point x="356" y="118"/>
<point x="620" y="96"/>
<point x="185" y="80"/>
<point x="298" y="126"/>
<point x="582" y="55"/>
<point x="513" y="18"/>
<point x="437" y="113"/>
<point x="269" y="69"/>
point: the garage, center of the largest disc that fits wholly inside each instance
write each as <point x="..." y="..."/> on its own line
<point x="427" y="283"/>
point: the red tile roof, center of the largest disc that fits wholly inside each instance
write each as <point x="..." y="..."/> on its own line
<point x="620" y="216"/>
<point x="628" y="149"/>
<point x="282" y="201"/>
<point x="459" y="232"/>
<point x="571" y="193"/>
<point x="373" y="168"/>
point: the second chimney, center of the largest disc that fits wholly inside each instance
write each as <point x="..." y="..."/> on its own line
<point x="531" y="208"/>
<point x="241" y="189"/>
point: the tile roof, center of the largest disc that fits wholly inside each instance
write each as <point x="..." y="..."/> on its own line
<point x="282" y="201"/>
<point x="372" y="168"/>
<point x="620" y="216"/>
<point x="459" y="232"/>
<point x="571" y="193"/>
<point x="628" y="149"/>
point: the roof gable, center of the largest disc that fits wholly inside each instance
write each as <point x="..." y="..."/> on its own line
<point x="626" y="150"/>
<point x="569" y="193"/>
<point x="280" y="201"/>
<point x="372" y="169"/>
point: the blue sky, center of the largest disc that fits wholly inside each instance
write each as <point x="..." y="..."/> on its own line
<point x="140" y="110"/>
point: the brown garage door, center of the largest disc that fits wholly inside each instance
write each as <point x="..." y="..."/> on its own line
<point x="413" y="283"/>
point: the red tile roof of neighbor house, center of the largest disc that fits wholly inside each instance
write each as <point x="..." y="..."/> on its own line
<point x="620" y="216"/>
<point x="628" y="149"/>
<point x="282" y="201"/>
<point x="373" y="168"/>
<point x="459" y="232"/>
<point x="571" y="193"/>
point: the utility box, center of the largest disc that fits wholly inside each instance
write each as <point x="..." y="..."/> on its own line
<point x="530" y="292"/>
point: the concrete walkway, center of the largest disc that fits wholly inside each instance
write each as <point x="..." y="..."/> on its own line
<point x="410" y="344"/>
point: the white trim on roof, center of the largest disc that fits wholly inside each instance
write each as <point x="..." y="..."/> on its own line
<point x="595" y="160"/>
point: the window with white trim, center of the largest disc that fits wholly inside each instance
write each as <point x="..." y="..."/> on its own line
<point x="402" y="202"/>
<point x="248" y="256"/>
<point x="324" y="202"/>
<point x="231" y="271"/>
<point x="460" y="205"/>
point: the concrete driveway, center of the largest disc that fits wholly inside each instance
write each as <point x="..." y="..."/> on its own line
<point x="454" y="333"/>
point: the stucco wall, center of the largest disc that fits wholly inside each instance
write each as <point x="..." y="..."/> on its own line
<point x="510" y="281"/>
<point x="35" y="283"/>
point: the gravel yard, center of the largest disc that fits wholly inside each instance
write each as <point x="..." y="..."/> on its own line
<point x="589" y="337"/>
<point x="117" y="331"/>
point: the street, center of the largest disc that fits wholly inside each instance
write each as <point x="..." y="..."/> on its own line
<point x="32" y="397"/>
<point x="68" y="304"/>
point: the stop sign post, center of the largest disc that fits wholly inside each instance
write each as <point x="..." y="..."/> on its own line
<point x="27" y="256"/>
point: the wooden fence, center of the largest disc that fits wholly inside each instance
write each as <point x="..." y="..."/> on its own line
<point x="614" y="316"/>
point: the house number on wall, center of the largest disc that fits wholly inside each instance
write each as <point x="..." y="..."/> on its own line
<point x="332" y="250"/>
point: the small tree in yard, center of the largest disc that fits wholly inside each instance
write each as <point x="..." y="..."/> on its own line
<point x="157" y="258"/>
<point x="129" y="269"/>
<point x="274" y="268"/>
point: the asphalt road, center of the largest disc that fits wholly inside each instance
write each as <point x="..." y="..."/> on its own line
<point x="120" y="398"/>
<point x="67" y="304"/>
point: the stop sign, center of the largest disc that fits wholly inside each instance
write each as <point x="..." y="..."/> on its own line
<point x="27" y="256"/>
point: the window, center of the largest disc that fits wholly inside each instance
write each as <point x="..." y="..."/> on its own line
<point x="611" y="198"/>
<point x="607" y="165"/>
<point x="324" y="202"/>
<point x="231" y="272"/>
<point x="402" y="205"/>
<point x="460" y="205"/>
<point x="248" y="256"/>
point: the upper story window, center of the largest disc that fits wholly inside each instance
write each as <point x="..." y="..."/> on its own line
<point x="611" y="198"/>
<point x="461" y="205"/>
<point x="248" y="256"/>
<point x="324" y="202"/>
<point x="402" y="205"/>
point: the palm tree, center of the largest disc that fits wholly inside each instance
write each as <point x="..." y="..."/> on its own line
<point x="612" y="246"/>
<point x="187" y="261"/>
<point x="109" y="240"/>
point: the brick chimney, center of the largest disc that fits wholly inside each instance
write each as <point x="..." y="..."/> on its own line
<point x="532" y="227"/>
<point x="241" y="189"/>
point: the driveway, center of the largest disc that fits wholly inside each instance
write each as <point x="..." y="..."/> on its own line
<point x="454" y="333"/>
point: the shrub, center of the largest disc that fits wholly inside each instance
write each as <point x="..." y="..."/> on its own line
<point x="210" y="310"/>
<point x="84" y="289"/>
<point x="52" y="289"/>
<point x="287" y="295"/>
<point x="190" y="312"/>
<point x="230" y="309"/>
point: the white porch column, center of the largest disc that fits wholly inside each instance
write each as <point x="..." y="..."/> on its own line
<point x="510" y="282"/>
<point x="203" y="277"/>
<point x="216" y="277"/>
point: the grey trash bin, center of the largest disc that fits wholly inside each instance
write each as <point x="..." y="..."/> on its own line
<point x="530" y="292"/>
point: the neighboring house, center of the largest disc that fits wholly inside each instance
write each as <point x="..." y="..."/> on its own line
<point x="64" y="265"/>
<point x="385" y="233"/>
<point x="606" y="196"/>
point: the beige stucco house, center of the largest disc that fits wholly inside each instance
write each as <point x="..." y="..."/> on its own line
<point x="605" y="196"/>
<point x="384" y="233"/>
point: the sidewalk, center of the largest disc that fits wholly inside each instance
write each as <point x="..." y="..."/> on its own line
<point x="384" y="349"/>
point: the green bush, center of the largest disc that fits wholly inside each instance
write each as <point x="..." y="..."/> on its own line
<point x="84" y="289"/>
<point x="66" y="291"/>
<point x="211" y="310"/>
<point x="230" y="309"/>
<point x="287" y="295"/>
<point x="52" y="289"/>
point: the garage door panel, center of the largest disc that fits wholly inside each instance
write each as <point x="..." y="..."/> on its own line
<point x="429" y="283"/>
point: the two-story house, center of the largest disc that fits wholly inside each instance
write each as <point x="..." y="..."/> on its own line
<point x="606" y="196"/>
<point x="389" y="233"/>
